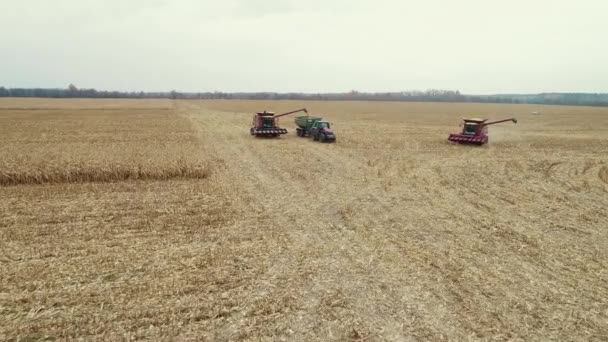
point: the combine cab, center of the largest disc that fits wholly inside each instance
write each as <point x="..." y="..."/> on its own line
<point x="266" y="124"/>
<point x="475" y="131"/>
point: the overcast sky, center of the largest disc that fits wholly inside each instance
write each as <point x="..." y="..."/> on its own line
<point x="476" y="46"/>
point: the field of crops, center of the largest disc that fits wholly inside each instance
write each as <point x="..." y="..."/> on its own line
<point x="159" y="219"/>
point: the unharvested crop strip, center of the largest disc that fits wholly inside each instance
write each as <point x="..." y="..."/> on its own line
<point x="103" y="175"/>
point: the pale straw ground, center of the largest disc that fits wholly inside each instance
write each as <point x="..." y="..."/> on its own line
<point x="145" y="219"/>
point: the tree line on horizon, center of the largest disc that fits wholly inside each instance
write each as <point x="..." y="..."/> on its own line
<point x="432" y="95"/>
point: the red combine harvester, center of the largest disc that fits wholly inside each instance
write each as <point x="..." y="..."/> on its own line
<point x="475" y="131"/>
<point x="266" y="124"/>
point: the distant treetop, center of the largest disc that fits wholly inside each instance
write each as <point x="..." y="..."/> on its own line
<point x="431" y="95"/>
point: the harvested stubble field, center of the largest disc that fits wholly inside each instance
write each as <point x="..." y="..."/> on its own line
<point x="390" y="234"/>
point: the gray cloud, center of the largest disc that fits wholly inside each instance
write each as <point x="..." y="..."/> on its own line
<point x="333" y="45"/>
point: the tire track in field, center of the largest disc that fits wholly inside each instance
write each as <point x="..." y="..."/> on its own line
<point x="603" y="174"/>
<point x="414" y="236"/>
<point x="297" y="183"/>
<point x="266" y="188"/>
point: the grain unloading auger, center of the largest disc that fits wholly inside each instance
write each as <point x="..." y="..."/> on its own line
<point x="475" y="131"/>
<point x="266" y="124"/>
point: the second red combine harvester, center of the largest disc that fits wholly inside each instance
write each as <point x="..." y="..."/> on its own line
<point x="475" y="131"/>
<point x="266" y="124"/>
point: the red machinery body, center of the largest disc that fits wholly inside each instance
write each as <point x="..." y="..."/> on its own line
<point x="475" y="131"/>
<point x="266" y="124"/>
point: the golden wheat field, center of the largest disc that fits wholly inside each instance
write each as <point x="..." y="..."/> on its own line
<point x="166" y="220"/>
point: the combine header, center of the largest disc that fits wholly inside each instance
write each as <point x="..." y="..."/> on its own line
<point x="475" y="131"/>
<point x="266" y="124"/>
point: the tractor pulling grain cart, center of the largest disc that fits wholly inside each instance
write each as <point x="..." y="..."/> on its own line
<point x="475" y="131"/>
<point x="316" y="128"/>
<point x="266" y="124"/>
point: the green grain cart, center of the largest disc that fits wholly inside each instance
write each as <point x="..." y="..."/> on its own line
<point x="315" y="127"/>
